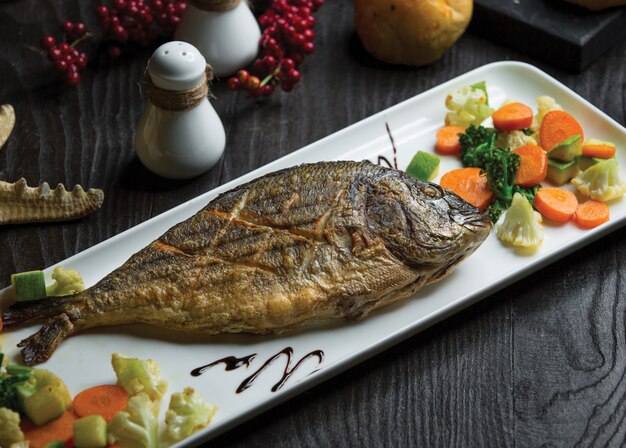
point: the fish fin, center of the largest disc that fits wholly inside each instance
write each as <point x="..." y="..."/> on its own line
<point x="23" y="313"/>
<point x="38" y="347"/>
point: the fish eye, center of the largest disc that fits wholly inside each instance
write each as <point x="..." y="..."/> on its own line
<point x="432" y="191"/>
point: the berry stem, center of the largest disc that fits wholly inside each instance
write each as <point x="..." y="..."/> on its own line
<point x="269" y="77"/>
<point x="83" y="38"/>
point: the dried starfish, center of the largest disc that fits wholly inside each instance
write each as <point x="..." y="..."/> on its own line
<point x="20" y="203"/>
<point x="7" y="121"/>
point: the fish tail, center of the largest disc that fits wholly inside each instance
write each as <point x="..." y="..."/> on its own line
<point x="38" y="347"/>
<point x="23" y="313"/>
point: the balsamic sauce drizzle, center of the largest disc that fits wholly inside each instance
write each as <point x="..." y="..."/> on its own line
<point x="230" y="362"/>
<point x="384" y="159"/>
<point x="233" y="363"/>
<point x="287" y="372"/>
<point x="395" y="151"/>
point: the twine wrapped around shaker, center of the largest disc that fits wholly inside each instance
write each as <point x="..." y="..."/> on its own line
<point x="178" y="100"/>
<point x="215" y="5"/>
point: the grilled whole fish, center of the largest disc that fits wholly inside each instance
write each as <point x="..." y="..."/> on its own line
<point x="317" y="241"/>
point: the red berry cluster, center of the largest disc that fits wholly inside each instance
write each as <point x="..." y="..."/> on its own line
<point x="73" y="30"/>
<point x="66" y="57"/>
<point x="125" y="21"/>
<point x="286" y="41"/>
<point x="138" y="21"/>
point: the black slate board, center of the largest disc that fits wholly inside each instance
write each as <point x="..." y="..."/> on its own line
<point x="564" y="35"/>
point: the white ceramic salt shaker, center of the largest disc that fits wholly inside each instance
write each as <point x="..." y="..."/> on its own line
<point x="173" y="142"/>
<point x="227" y="38"/>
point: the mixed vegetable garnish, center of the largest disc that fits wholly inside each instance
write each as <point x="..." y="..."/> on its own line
<point x="515" y="170"/>
<point x="31" y="285"/>
<point x="37" y="410"/>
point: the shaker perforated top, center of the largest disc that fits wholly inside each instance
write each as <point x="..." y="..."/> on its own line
<point x="176" y="65"/>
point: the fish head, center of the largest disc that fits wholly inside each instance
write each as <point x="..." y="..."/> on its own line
<point x="423" y="224"/>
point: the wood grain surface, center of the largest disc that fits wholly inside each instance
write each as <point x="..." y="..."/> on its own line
<point x="542" y="363"/>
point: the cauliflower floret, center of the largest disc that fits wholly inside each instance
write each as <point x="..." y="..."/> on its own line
<point x="467" y="106"/>
<point x="513" y="139"/>
<point x="545" y="104"/>
<point x="187" y="414"/>
<point x="66" y="282"/>
<point x="520" y="225"/>
<point x="602" y="181"/>
<point x="137" y="426"/>
<point x="10" y="432"/>
<point x="139" y="376"/>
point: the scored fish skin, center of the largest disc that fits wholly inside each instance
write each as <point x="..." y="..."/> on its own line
<point x="317" y="241"/>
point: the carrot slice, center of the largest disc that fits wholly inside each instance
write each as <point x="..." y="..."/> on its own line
<point x="591" y="214"/>
<point x="470" y="185"/>
<point x="513" y="117"/>
<point x="106" y="400"/>
<point x="599" y="151"/>
<point x="556" y="127"/>
<point x="60" y="429"/>
<point x="556" y="204"/>
<point x="448" y="140"/>
<point x="533" y="165"/>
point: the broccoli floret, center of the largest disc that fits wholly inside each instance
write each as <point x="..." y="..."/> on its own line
<point x="9" y="397"/>
<point x="187" y="414"/>
<point x="477" y="142"/>
<point x="501" y="168"/>
<point x="66" y="281"/>
<point x="10" y="432"/>
<point x="602" y="181"/>
<point x="529" y="193"/>
<point x="495" y="210"/>
<point x="137" y="426"/>
<point x="478" y="149"/>
<point x="520" y="225"/>
<point x="139" y="376"/>
<point x="9" y="381"/>
<point x="499" y="206"/>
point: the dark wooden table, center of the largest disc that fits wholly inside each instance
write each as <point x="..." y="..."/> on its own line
<point x="541" y="363"/>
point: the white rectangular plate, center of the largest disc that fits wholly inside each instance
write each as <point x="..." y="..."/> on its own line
<point x="84" y="360"/>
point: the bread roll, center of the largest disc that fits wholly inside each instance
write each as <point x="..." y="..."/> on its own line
<point x="597" y="5"/>
<point x="410" y="32"/>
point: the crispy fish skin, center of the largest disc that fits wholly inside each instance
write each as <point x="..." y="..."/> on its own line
<point x="317" y="241"/>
